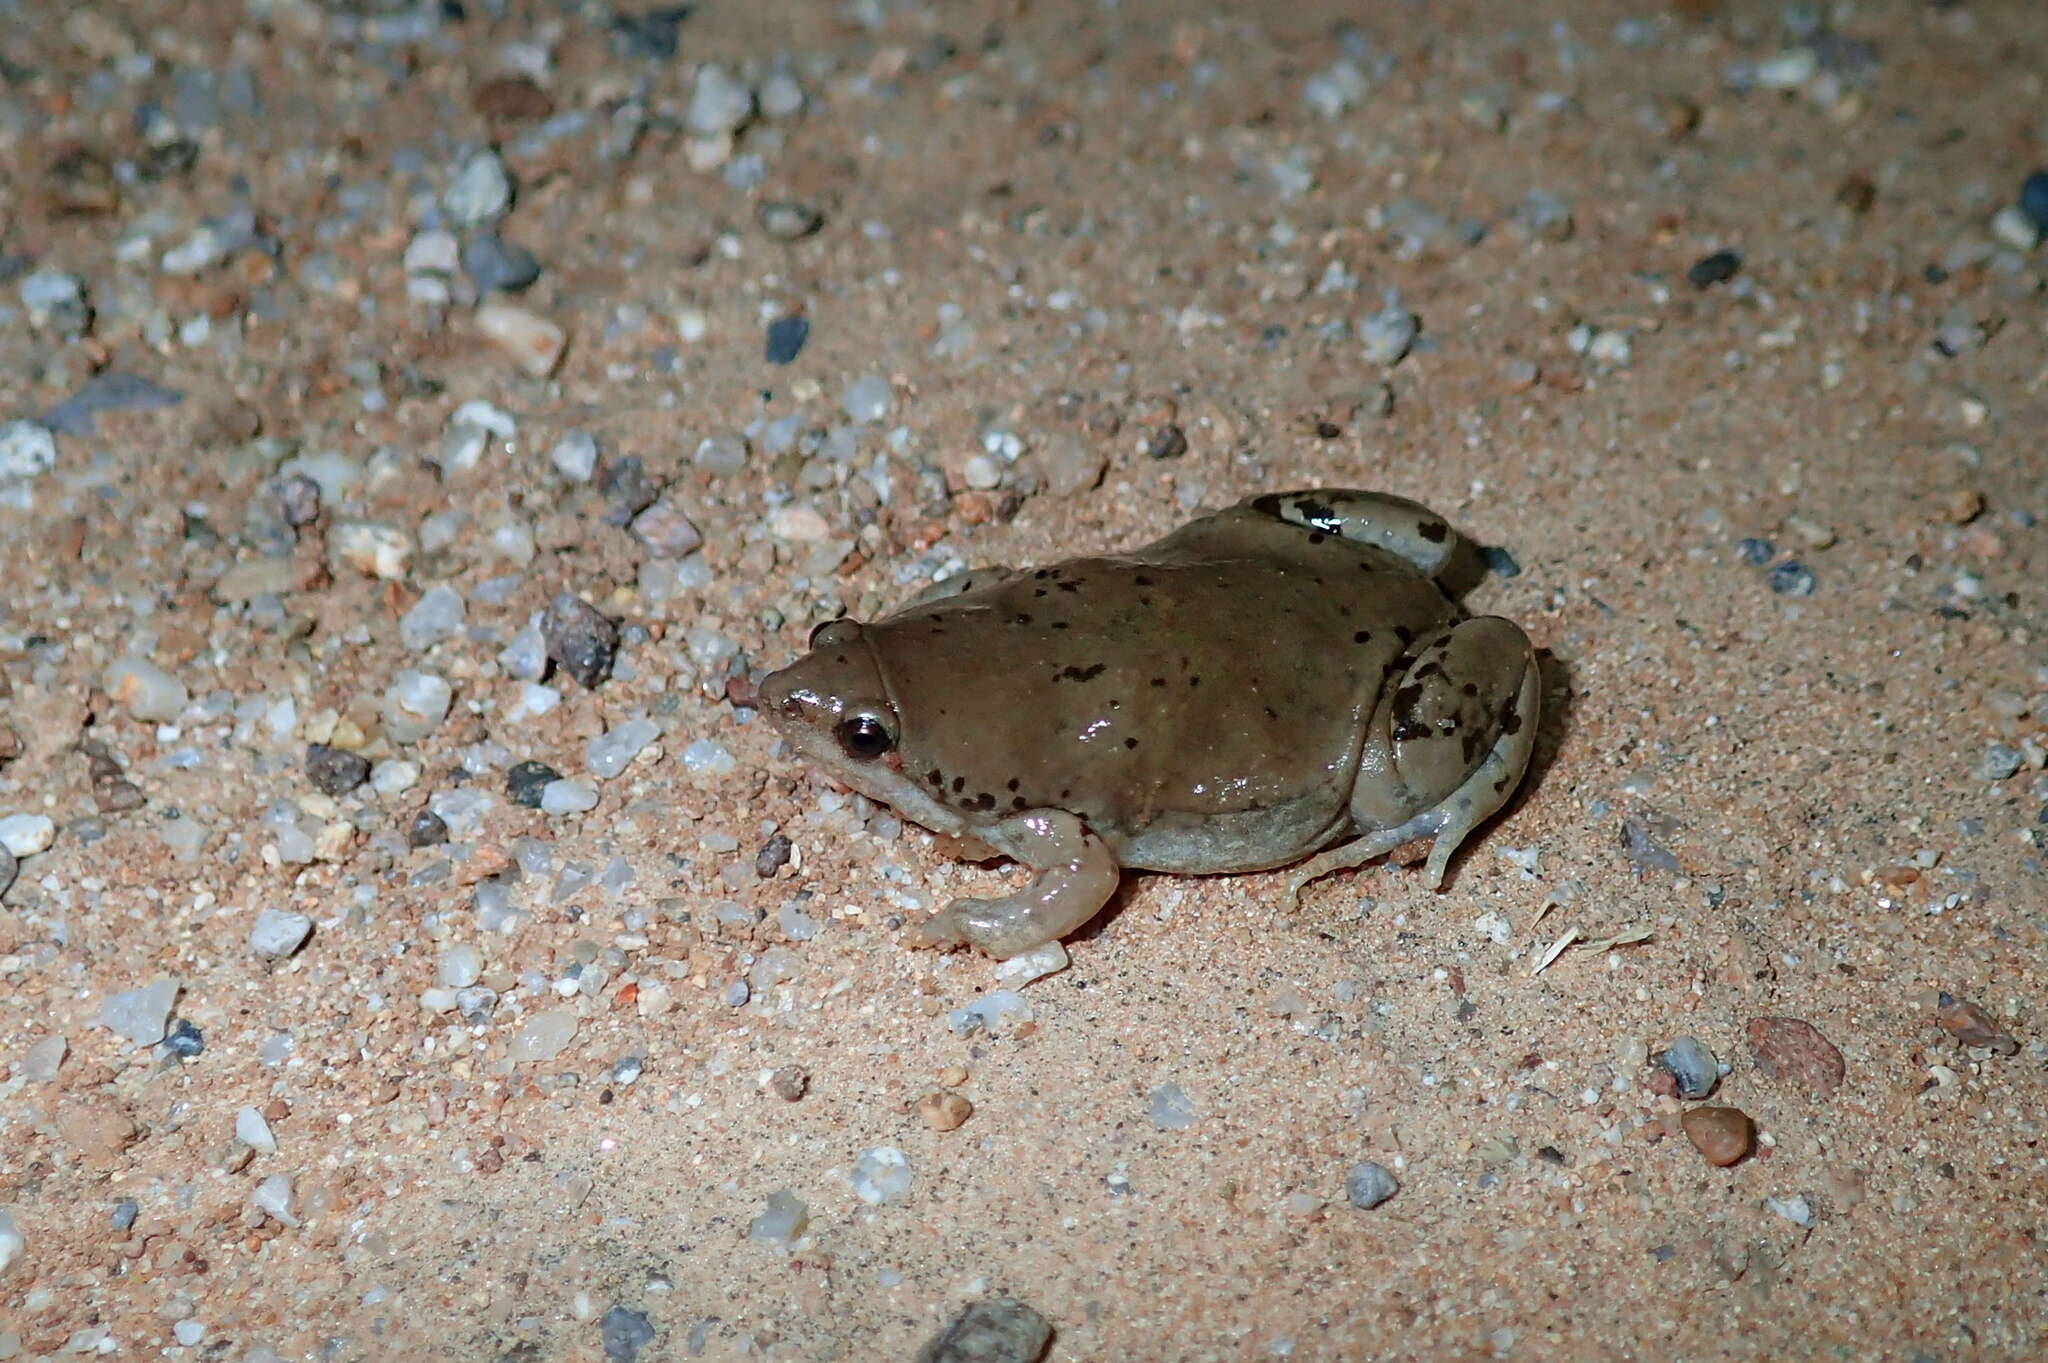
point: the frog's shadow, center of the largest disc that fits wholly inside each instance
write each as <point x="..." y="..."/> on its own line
<point x="1553" y="727"/>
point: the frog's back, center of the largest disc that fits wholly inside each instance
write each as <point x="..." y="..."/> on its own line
<point x="1199" y="702"/>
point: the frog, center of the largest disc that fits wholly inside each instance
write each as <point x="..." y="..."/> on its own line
<point x="1290" y="681"/>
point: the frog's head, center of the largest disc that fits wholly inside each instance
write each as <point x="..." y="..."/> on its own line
<point x="832" y="704"/>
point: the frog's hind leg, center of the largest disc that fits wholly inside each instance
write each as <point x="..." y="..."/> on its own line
<point x="956" y="585"/>
<point x="1077" y="875"/>
<point x="1407" y="530"/>
<point x="1451" y="741"/>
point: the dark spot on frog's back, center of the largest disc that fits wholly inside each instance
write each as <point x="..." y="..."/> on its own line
<point x="1363" y="636"/>
<point x="1404" y="634"/>
<point x="1433" y="531"/>
<point x="959" y="784"/>
<point x="936" y="777"/>
<point x="1130" y="743"/>
<point x="1014" y="783"/>
<point x="1082" y="674"/>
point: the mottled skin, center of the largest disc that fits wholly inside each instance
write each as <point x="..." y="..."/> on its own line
<point x="1281" y="679"/>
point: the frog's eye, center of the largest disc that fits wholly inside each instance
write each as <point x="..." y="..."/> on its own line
<point x="865" y="737"/>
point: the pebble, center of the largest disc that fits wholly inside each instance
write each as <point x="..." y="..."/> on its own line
<point x="437" y="616"/>
<point x="624" y="1332"/>
<point x="1691" y="1065"/>
<point x="2012" y="227"/>
<point x="722" y="455"/>
<point x="2034" y="199"/>
<point x="611" y="752"/>
<point x="1795" y="1209"/>
<point x="1972" y="1026"/>
<point x="1335" y="91"/>
<point x="1035" y="964"/>
<point x="666" y="530"/>
<point x="55" y="302"/>
<point x="575" y="456"/>
<point x="708" y="757"/>
<point x="790" y="1083"/>
<point x="1792" y="1051"/>
<point x="737" y="993"/>
<point x="531" y="341"/>
<point x="720" y="102"/>
<point x="427" y="829"/>
<point x="650" y="34"/>
<point x="27" y="449"/>
<point x="12" y="1242"/>
<point x="497" y="266"/>
<point x="374" y="550"/>
<point x="24" y="835"/>
<point x="278" y="933"/>
<point x="881" y="1174"/>
<point x="145" y="690"/>
<point x="582" y="640"/>
<point x="1170" y="1109"/>
<point x="786" y="220"/>
<point x="1167" y="442"/>
<point x="566" y="796"/>
<point x="274" y="1196"/>
<point x="415" y="704"/>
<point x="995" y="1011"/>
<point x="1959" y="332"/>
<point x="1722" y="1135"/>
<point x="1998" y="762"/>
<point x="140" y="1015"/>
<point x="10" y="870"/>
<point x="526" y="782"/>
<point x="185" y="1040"/>
<point x="943" y="1111"/>
<point x="1388" y="334"/>
<point x="335" y="772"/>
<point x="783" y="1222"/>
<point x="1791" y="578"/>
<point x="41" y="1061"/>
<point x="188" y="1332"/>
<point x="542" y="1037"/>
<point x="772" y="857"/>
<point x="1369" y="1184"/>
<point x="481" y="191"/>
<point x="786" y="337"/>
<point x="1709" y="270"/>
<point x="867" y="399"/>
<point x="993" y="1330"/>
<point x="460" y="965"/>
<point x="253" y="1131"/>
<point x="780" y="96"/>
<point x="124" y="1215"/>
<point x="1543" y="216"/>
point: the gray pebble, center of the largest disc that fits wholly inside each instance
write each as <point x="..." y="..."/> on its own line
<point x="1369" y="1184"/>
<point x="278" y="934"/>
<point x="722" y="455"/>
<point x="786" y="337"/>
<point x="784" y="220"/>
<point x="1388" y="334"/>
<point x="625" y="1332"/>
<point x="773" y="856"/>
<point x="1792" y="578"/>
<point x="1999" y="762"/>
<point x="1692" y="1065"/>
<point x="27" y="450"/>
<point x="335" y="771"/>
<point x="125" y="1212"/>
<point x="496" y="266"/>
<point x="525" y="782"/>
<point x="720" y="102"/>
<point x="9" y="869"/>
<point x="481" y="191"/>
<point x="582" y="641"/>
<point x="426" y="830"/>
<point x="993" y="1330"/>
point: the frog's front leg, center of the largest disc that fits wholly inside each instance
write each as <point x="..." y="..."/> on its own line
<point x="1077" y="875"/>
<point x="1408" y="530"/>
<point x="1445" y="749"/>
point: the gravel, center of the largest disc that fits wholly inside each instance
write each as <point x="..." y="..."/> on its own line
<point x="1387" y="336"/>
<point x="785" y="338"/>
<point x="1370" y="1184"/>
<point x="140" y="1015"/>
<point x="1169" y="1108"/>
<point x="993" y="1330"/>
<point x="1709" y="270"/>
<point x="624" y="1332"/>
<point x="278" y="933"/>
<point x="783" y="1222"/>
<point x="580" y="639"/>
<point x="1692" y="1067"/>
<point x="527" y="782"/>
<point x="880" y="1175"/>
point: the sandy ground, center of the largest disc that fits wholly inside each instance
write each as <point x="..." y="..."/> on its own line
<point x="1778" y="539"/>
